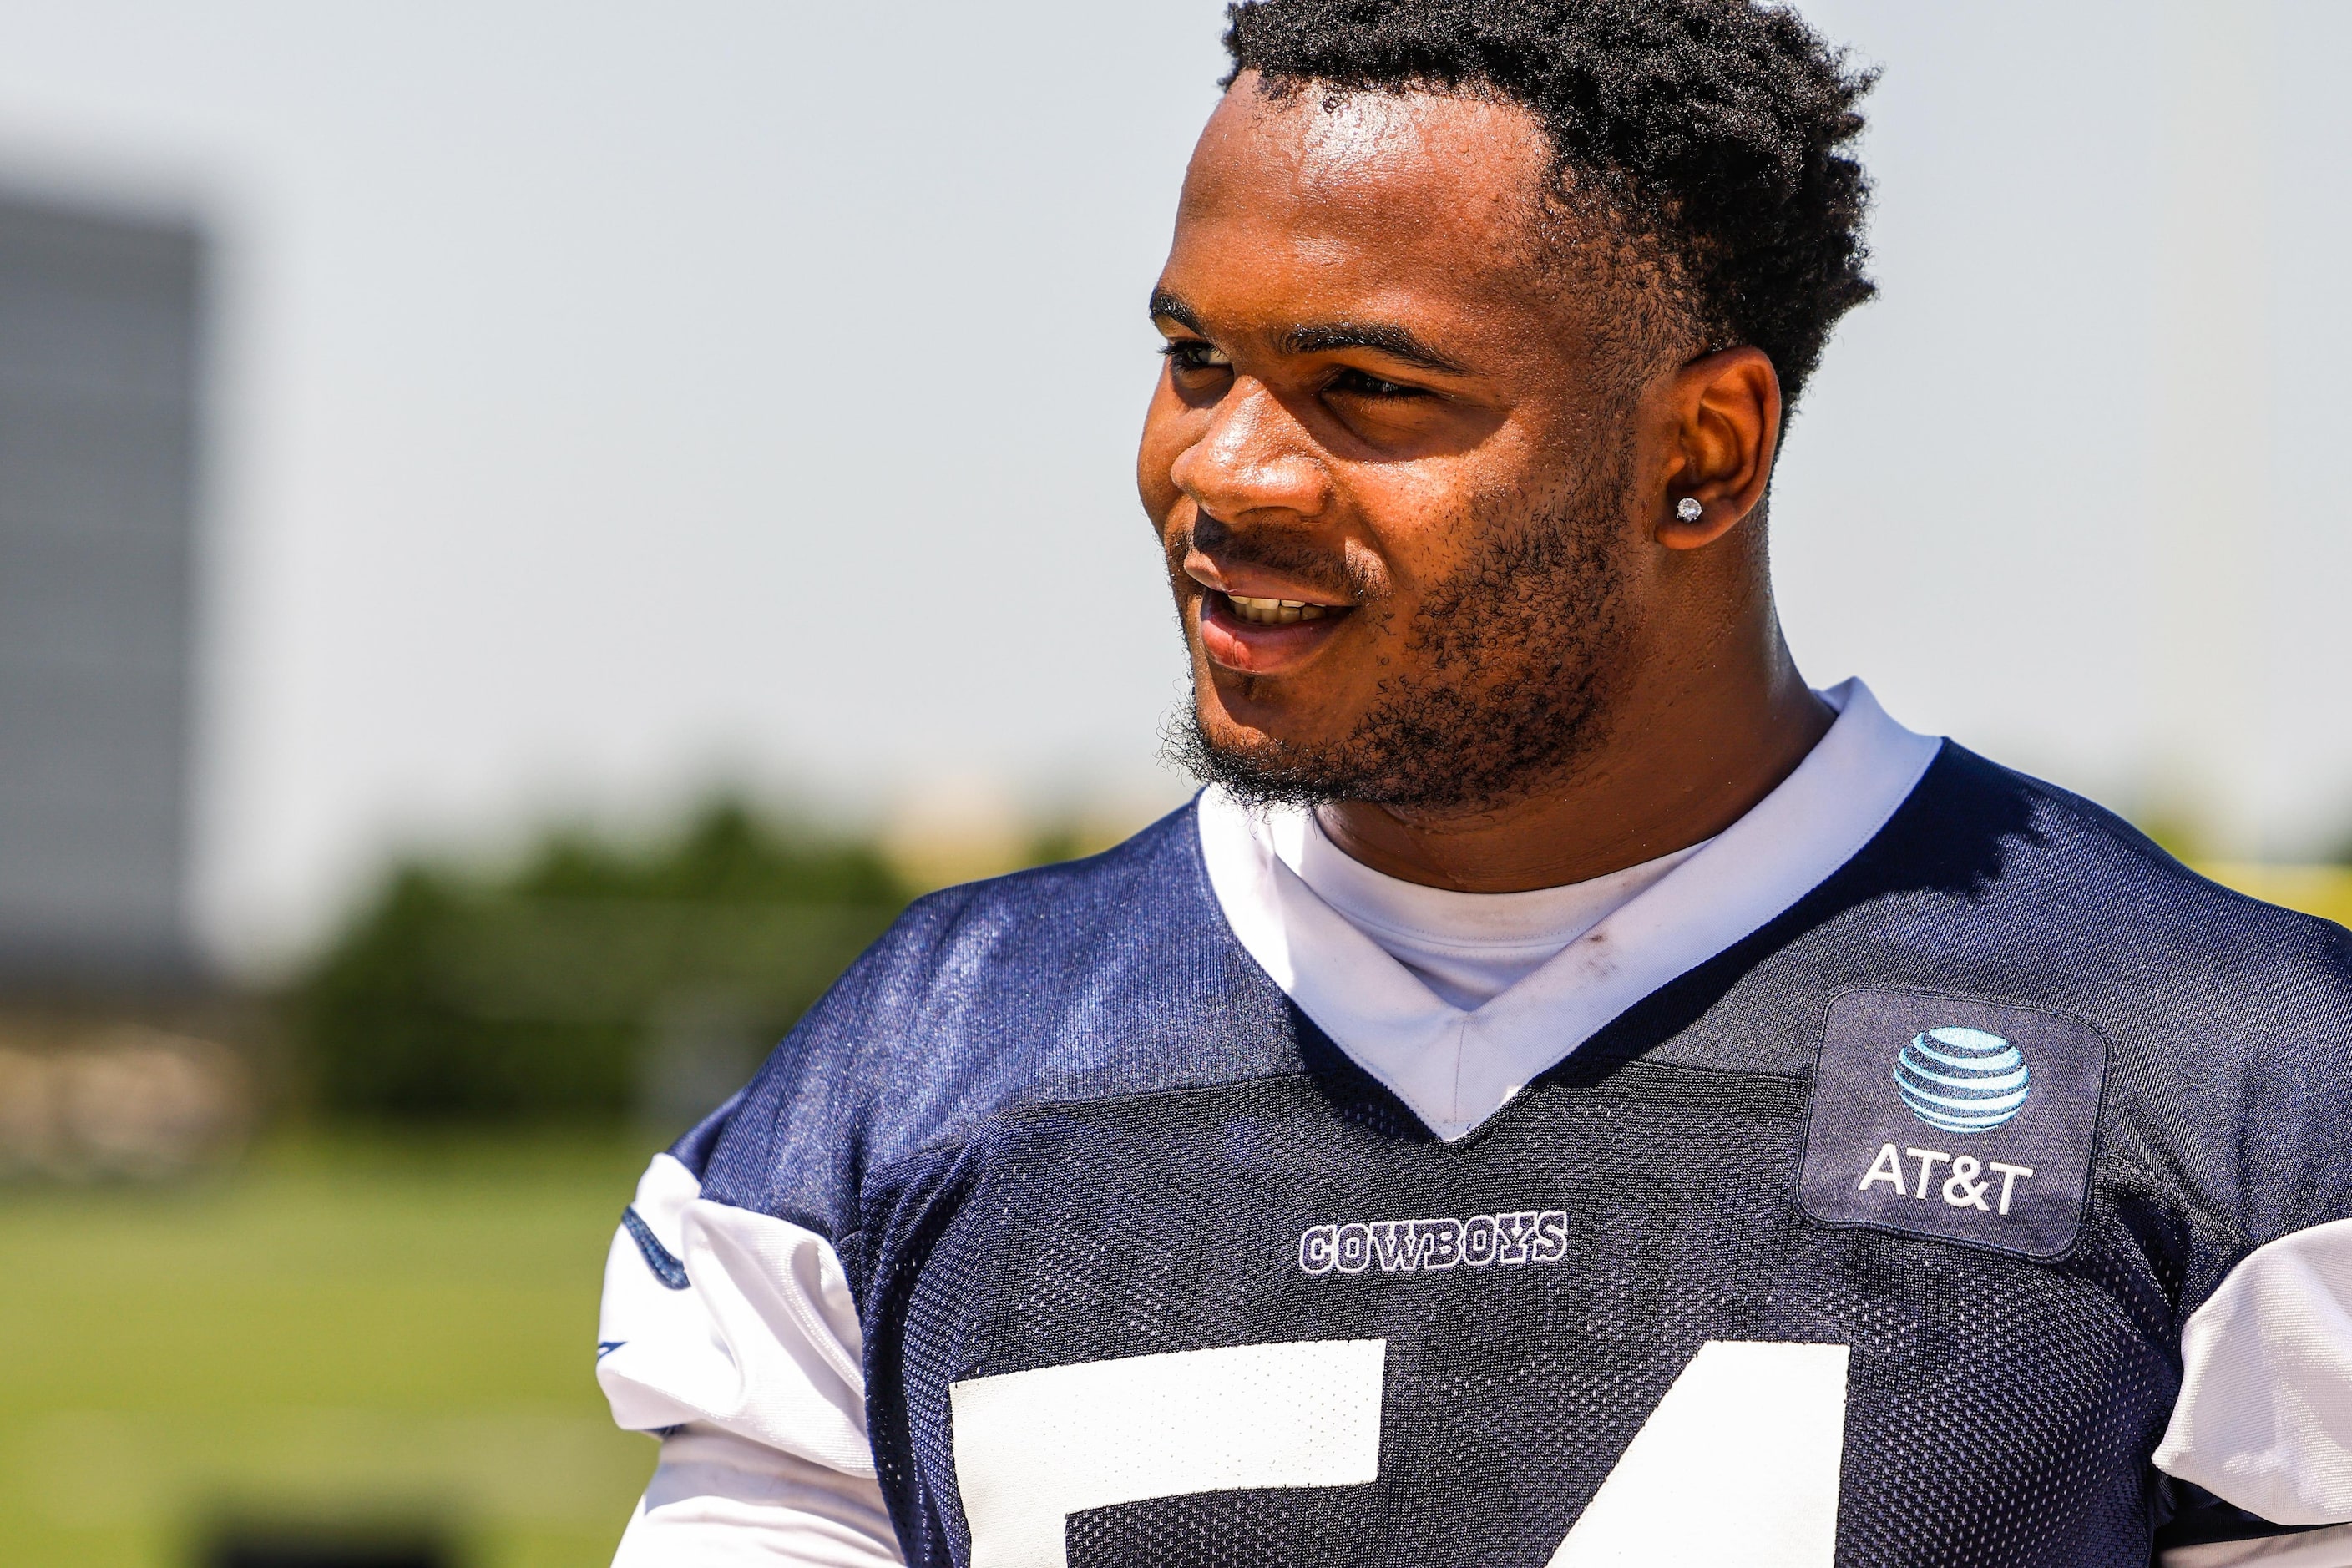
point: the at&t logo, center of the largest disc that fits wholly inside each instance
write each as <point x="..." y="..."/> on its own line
<point x="1961" y="1080"/>
<point x="1955" y="1080"/>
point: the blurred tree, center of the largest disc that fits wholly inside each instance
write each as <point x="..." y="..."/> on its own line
<point x="593" y="981"/>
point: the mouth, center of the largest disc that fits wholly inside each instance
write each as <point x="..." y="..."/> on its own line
<point x="1254" y="635"/>
<point x="1274" y="612"/>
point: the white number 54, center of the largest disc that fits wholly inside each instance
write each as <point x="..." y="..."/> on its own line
<point x="1738" y="1464"/>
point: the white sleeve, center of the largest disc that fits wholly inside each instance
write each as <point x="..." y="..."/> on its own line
<point x="2326" y="1548"/>
<point x="2264" y="1417"/>
<point x="733" y="1334"/>
<point x="723" y="1500"/>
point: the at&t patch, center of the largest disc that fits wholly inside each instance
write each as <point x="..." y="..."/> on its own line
<point x="1952" y="1118"/>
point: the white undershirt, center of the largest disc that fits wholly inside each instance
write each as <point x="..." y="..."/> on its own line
<point x="1466" y="947"/>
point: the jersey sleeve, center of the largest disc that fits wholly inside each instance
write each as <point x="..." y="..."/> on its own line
<point x="2265" y="1417"/>
<point x="2259" y="1089"/>
<point x="717" y="1500"/>
<point x="733" y="1334"/>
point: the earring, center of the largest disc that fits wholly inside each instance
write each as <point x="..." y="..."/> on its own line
<point x="1689" y="509"/>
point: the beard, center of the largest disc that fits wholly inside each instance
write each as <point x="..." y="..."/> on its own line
<point x="1510" y="666"/>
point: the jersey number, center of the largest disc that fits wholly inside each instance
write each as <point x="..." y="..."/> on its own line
<point x="1738" y="1464"/>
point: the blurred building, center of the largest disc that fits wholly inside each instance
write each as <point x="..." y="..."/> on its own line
<point x="100" y="328"/>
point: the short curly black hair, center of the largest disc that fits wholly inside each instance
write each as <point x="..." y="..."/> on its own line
<point x="1714" y="133"/>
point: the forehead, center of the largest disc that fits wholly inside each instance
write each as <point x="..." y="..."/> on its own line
<point x="1320" y="200"/>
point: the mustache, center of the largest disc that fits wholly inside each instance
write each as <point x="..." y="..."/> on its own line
<point x="1324" y="571"/>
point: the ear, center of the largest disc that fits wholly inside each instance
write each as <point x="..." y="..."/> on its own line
<point x="1724" y="412"/>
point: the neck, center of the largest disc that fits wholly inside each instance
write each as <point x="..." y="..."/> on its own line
<point x="1690" y="748"/>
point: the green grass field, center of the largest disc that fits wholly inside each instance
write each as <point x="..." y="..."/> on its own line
<point x="336" y="1331"/>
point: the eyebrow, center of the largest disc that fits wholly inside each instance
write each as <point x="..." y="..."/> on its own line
<point x="1382" y="337"/>
<point x="1166" y="304"/>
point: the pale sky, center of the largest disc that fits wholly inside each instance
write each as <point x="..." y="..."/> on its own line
<point x="612" y="399"/>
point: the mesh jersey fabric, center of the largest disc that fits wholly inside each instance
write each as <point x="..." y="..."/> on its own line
<point x="1063" y="1118"/>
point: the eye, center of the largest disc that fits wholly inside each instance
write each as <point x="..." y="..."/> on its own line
<point x="1363" y="384"/>
<point x="1195" y="354"/>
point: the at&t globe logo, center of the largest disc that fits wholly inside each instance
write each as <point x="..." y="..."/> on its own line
<point x="1961" y="1080"/>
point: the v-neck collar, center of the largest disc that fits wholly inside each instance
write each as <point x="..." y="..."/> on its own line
<point x="1455" y="1068"/>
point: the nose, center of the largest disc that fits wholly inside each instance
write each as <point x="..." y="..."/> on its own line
<point x="1254" y="457"/>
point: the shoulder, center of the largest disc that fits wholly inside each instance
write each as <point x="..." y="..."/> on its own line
<point x="1113" y="972"/>
<point x="2229" y="1020"/>
<point x="1990" y="859"/>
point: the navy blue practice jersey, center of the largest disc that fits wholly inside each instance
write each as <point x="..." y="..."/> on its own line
<point x="1882" y="1228"/>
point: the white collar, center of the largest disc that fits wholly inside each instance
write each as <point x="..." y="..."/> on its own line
<point x="1542" y="919"/>
<point x="1453" y="1068"/>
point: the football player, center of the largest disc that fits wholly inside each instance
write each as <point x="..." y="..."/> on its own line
<point x="1566" y="1092"/>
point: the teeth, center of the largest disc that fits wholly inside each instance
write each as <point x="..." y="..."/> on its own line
<point x="1274" y="612"/>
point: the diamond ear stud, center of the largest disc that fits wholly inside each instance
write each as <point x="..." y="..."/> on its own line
<point x="1689" y="509"/>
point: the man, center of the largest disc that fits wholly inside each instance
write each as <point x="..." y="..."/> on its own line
<point x="1566" y="1093"/>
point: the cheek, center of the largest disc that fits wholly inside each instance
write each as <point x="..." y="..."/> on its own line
<point x="1441" y="521"/>
<point x="1419" y="528"/>
<point x="1167" y="434"/>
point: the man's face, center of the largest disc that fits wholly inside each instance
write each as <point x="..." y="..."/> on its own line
<point x="1393" y="490"/>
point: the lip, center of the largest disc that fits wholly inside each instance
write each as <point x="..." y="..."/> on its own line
<point x="1247" y="648"/>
